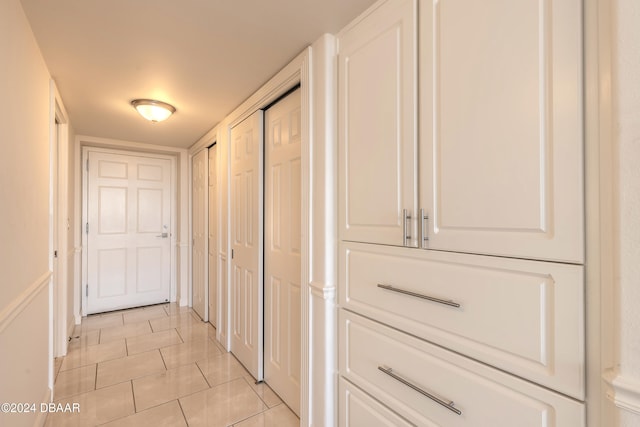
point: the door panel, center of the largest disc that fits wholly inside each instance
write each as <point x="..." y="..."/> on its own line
<point x="199" y="188"/>
<point x="508" y="182"/>
<point x="247" y="243"/>
<point x="377" y="126"/>
<point x="213" y="237"/>
<point x="282" y="249"/>
<point x="129" y="215"/>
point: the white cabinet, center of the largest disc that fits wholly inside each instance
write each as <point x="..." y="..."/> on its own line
<point x="461" y="214"/>
<point x="497" y="168"/>
<point x="431" y="386"/>
<point x="377" y="123"/>
<point x="501" y="127"/>
<point x="525" y="317"/>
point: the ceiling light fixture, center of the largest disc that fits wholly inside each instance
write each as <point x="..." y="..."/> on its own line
<point x="152" y="110"/>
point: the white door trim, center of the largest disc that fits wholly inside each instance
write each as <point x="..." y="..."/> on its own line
<point x="60" y="324"/>
<point x="174" y="223"/>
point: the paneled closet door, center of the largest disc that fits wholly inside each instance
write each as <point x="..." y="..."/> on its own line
<point x="199" y="252"/>
<point x="501" y="157"/>
<point x="377" y="126"/>
<point x="247" y="209"/>
<point x="213" y="235"/>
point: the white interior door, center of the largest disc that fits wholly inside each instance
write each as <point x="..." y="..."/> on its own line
<point x="199" y="225"/>
<point x="247" y="243"/>
<point x="128" y="242"/>
<point x="213" y="236"/>
<point x="282" y="249"/>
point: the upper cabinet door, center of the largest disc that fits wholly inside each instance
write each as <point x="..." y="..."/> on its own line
<point x="377" y="125"/>
<point x="501" y="152"/>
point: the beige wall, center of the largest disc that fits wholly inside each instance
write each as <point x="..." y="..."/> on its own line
<point x="24" y="217"/>
<point x="626" y="134"/>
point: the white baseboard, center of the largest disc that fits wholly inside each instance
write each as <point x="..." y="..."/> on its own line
<point x="624" y="391"/>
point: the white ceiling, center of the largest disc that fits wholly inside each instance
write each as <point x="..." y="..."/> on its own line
<point x="203" y="56"/>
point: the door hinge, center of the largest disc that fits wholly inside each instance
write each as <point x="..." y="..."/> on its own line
<point x="86" y="292"/>
<point x="231" y="253"/>
<point x="55" y="254"/>
<point x="87" y="165"/>
<point x="87" y="228"/>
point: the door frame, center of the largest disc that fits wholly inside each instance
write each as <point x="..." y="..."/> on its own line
<point x="60" y="325"/>
<point x="85" y="215"/>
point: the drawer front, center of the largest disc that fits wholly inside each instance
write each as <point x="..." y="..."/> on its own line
<point x="357" y="409"/>
<point x="428" y="385"/>
<point x="526" y="317"/>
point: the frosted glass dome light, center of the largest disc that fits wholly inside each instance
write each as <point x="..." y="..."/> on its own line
<point x="152" y="110"/>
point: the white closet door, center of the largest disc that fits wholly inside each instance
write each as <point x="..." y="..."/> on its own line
<point x="198" y="188"/>
<point x="377" y="95"/>
<point x="282" y="249"/>
<point x="501" y="127"/>
<point x="128" y="242"/>
<point x="213" y="236"/>
<point x="247" y="243"/>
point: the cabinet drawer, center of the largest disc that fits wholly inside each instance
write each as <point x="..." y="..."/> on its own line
<point x="418" y="374"/>
<point x="357" y="409"/>
<point x="526" y="317"/>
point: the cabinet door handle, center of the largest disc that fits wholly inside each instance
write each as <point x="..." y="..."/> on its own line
<point x="439" y="400"/>
<point x="417" y="295"/>
<point x="424" y="230"/>
<point x="405" y="227"/>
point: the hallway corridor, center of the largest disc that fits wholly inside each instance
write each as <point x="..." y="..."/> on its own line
<point x="158" y="366"/>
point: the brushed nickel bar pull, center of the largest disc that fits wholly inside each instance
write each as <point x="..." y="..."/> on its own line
<point x="424" y="230"/>
<point x="405" y="227"/>
<point x="444" y="402"/>
<point x="414" y="294"/>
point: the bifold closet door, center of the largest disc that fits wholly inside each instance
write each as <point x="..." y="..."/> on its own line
<point x="282" y="249"/>
<point x="199" y="252"/>
<point x="213" y="236"/>
<point x="247" y="305"/>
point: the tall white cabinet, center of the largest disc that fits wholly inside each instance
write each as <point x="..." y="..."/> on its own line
<point x="461" y="217"/>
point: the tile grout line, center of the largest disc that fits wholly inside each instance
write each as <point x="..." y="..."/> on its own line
<point x="163" y="362"/>
<point x="203" y="375"/>
<point x="133" y="396"/>
<point x="183" y="414"/>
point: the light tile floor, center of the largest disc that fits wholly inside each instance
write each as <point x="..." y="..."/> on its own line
<point x="159" y="366"/>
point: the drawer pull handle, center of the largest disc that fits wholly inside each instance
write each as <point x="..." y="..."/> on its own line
<point x="413" y="294"/>
<point x="444" y="402"/>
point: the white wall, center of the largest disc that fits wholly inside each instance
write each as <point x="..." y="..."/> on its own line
<point x="626" y="140"/>
<point x="24" y="217"/>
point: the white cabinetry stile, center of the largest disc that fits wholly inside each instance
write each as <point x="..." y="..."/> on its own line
<point x="461" y="284"/>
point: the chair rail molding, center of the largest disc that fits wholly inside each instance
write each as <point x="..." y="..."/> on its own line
<point x="623" y="391"/>
<point x="23" y="300"/>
